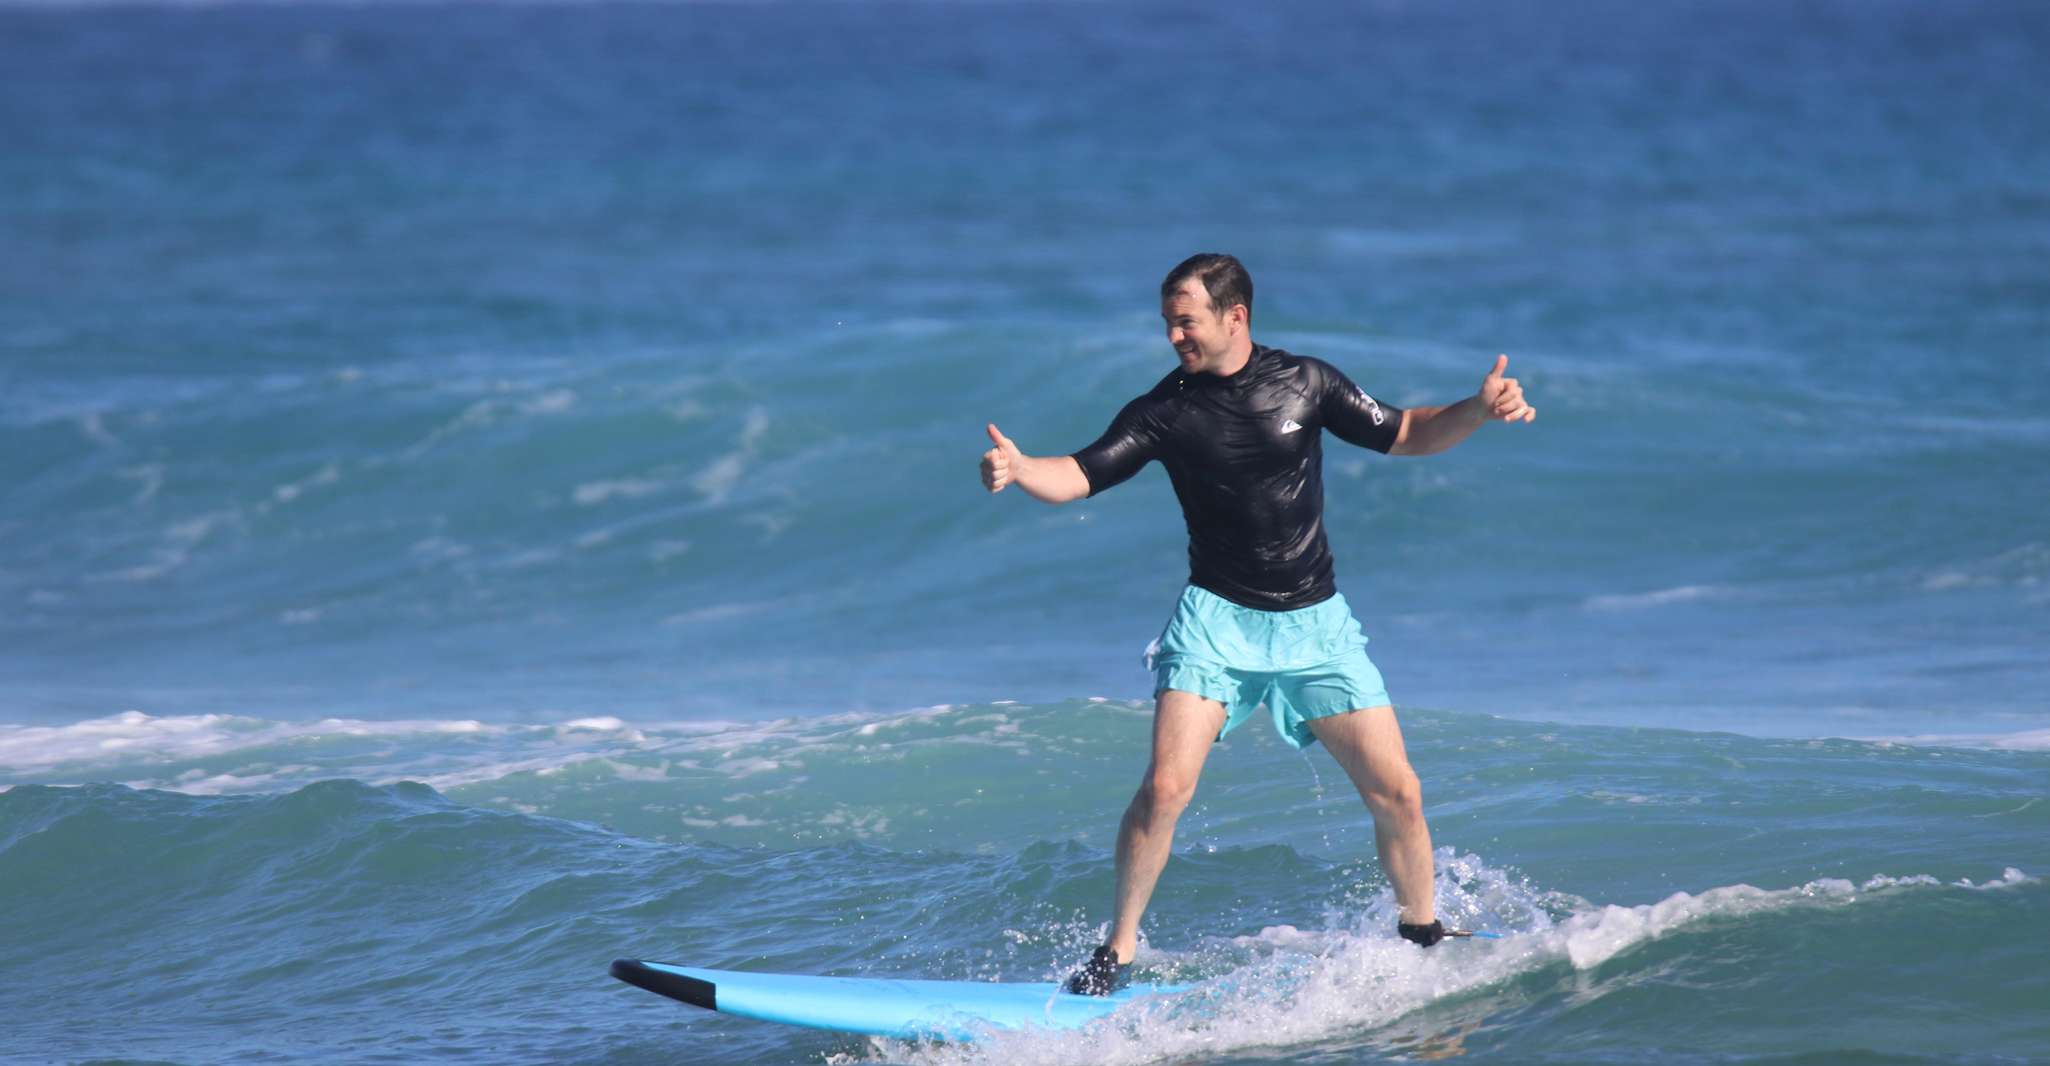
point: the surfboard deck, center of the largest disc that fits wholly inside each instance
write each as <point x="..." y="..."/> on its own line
<point x="880" y="1006"/>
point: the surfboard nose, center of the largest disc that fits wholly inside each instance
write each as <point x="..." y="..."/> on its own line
<point x="690" y="990"/>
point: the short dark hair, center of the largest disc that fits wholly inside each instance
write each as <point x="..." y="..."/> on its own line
<point x="1224" y="278"/>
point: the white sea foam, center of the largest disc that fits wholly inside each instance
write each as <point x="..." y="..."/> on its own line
<point x="215" y="753"/>
<point x="1658" y="598"/>
<point x="93" y="425"/>
<point x="151" y="477"/>
<point x="1290" y="987"/>
<point x="2026" y="740"/>
<point x="592" y="493"/>
<point x="747" y="767"/>
<point x="483" y="413"/>
<point x="326" y="475"/>
<point x="180" y="539"/>
<point x="33" y="748"/>
<point x="605" y="724"/>
<point x="437" y="549"/>
<point x="630" y="772"/>
<point x="554" y="401"/>
<point x="133" y="739"/>
<point x="720" y="612"/>
<point x="250" y="779"/>
<point x="720" y="476"/>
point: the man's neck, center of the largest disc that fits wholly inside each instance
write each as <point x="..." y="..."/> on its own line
<point x="1237" y="360"/>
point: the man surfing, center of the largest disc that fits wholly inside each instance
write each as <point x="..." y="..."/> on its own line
<point x="1239" y="427"/>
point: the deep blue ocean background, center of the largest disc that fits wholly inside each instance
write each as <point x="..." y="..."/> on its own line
<point x="487" y="488"/>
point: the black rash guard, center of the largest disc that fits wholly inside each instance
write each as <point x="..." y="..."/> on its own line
<point x="1246" y="456"/>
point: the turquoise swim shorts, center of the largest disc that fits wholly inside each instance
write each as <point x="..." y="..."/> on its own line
<point x="1303" y="664"/>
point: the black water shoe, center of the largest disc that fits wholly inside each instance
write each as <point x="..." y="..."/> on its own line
<point x="1421" y="935"/>
<point x="1102" y="975"/>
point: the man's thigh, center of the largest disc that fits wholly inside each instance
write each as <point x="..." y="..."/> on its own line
<point x="1184" y="727"/>
<point x="1368" y="743"/>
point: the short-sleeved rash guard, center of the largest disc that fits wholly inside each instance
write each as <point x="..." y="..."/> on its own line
<point x="1246" y="458"/>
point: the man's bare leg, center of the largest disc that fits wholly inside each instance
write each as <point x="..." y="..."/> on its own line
<point x="1368" y="744"/>
<point x="1184" y="727"/>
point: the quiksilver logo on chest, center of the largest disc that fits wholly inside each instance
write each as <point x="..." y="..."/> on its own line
<point x="1290" y="426"/>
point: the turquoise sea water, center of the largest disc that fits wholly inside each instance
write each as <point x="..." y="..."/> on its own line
<point x="490" y="488"/>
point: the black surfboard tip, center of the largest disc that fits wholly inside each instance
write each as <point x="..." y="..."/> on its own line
<point x="661" y="982"/>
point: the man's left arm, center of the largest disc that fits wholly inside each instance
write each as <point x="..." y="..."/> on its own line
<point x="1430" y="430"/>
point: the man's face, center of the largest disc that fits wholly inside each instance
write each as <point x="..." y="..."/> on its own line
<point x="1202" y="337"/>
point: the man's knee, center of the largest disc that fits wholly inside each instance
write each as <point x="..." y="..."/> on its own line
<point x="1163" y="795"/>
<point x="1397" y="794"/>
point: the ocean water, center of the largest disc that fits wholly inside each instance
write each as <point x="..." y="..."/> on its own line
<point x="489" y="488"/>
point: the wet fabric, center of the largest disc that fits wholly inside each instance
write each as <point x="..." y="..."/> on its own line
<point x="1245" y="454"/>
<point x="1301" y="665"/>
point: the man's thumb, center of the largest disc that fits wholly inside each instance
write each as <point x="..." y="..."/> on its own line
<point x="997" y="438"/>
<point x="1501" y="364"/>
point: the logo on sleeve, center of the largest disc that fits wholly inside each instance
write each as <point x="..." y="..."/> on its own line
<point x="1373" y="409"/>
<point x="1291" y="426"/>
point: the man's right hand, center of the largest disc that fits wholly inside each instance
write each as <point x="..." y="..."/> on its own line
<point x="1000" y="463"/>
<point x="1048" y="479"/>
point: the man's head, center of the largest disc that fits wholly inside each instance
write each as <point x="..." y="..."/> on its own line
<point x="1207" y="303"/>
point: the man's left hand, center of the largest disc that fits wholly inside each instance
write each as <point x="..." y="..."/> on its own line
<point x="1502" y="397"/>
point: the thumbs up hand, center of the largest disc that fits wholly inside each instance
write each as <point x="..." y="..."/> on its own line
<point x="1502" y="397"/>
<point x="999" y="464"/>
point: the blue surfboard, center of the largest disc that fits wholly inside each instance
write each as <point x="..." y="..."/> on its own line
<point x="881" y="1006"/>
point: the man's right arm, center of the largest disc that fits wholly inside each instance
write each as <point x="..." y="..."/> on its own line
<point x="1129" y="443"/>
<point x="1050" y="479"/>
